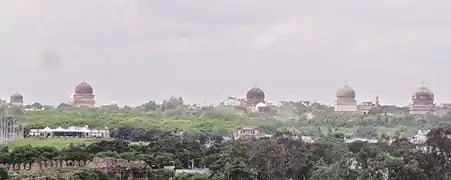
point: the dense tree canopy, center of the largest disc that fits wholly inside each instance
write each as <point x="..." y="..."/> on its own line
<point x="280" y="157"/>
<point x="145" y="135"/>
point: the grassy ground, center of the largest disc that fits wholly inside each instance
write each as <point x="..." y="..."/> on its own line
<point x="55" y="142"/>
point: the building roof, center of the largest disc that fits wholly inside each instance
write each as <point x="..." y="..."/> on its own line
<point x="345" y="92"/>
<point x="424" y="91"/>
<point x="84" y="88"/>
<point x="70" y="129"/>
<point x="255" y="93"/>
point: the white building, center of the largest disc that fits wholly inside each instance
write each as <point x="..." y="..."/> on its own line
<point x="260" y="107"/>
<point x="420" y="137"/>
<point x="72" y="131"/>
<point x="233" y="101"/>
<point x="247" y="132"/>
<point x="360" y="139"/>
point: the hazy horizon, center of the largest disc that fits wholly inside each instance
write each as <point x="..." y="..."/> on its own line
<point x="132" y="51"/>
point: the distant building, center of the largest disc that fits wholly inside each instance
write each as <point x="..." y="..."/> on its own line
<point x="234" y="101"/>
<point x="307" y="139"/>
<point x="443" y="109"/>
<point x="440" y="111"/>
<point x="408" y="135"/>
<point x="345" y="101"/>
<point x="368" y="107"/>
<point x="16" y="99"/>
<point x="360" y="139"/>
<point x="72" y="131"/>
<point x="420" y="137"/>
<point x="261" y="107"/>
<point x="365" y="107"/>
<point x="83" y="96"/>
<point x="445" y="105"/>
<point x="247" y="132"/>
<point x="255" y="96"/>
<point x="192" y="171"/>
<point x="422" y="102"/>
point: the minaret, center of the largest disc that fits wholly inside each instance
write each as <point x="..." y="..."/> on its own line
<point x="377" y="101"/>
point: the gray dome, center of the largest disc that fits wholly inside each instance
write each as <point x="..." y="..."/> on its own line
<point x="84" y="88"/>
<point x="255" y="93"/>
<point x="424" y="93"/>
<point x="346" y="92"/>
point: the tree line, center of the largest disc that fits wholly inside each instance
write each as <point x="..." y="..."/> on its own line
<point x="280" y="157"/>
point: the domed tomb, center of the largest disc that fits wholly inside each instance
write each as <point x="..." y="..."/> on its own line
<point x="345" y="99"/>
<point x="16" y="99"/>
<point x="423" y="93"/>
<point x="255" y="96"/>
<point x="84" y="88"/>
<point x="345" y="92"/>
<point x="422" y="101"/>
<point x="83" y="96"/>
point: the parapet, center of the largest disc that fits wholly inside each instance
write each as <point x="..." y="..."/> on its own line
<point x="99" y="163"/>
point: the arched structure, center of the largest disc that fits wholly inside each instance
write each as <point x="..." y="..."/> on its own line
<point x="422" y="102"/>
<point x="345" y="101"/>
<point x="16" y="99"/>
<point x="83" y="96"/>
<point x="255" y="96"/>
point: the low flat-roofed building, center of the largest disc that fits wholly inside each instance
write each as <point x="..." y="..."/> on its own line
<point x="72" y="131"/>
<point x="247" y="132"/>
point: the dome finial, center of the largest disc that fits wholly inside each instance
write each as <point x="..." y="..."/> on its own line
<point x="422" y="82"/>
<point x="346" y="81"/>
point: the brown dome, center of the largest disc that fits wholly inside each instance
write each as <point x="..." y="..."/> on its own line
<point x="16" y="97"/>
<point x="84" y="88"/>
<point x="346" y="92"/>
<point x="425" y="93"/>
<point x="256" y="93"/>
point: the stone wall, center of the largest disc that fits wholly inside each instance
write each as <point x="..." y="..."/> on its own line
<point x="99" y="163"/>
<point x="42" y="165"/>
<point x="120" y="168"/>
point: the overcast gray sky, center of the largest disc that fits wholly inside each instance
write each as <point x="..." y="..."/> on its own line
<point x="205" y="50"/>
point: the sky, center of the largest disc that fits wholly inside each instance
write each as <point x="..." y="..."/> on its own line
<point x="132" y="51"/>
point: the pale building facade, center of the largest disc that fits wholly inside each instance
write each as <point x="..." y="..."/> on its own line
<point x="365" y="107"/>
<point x="345" y="101"/>
<point x="247" y="132"/>
<point x="261" y="107"/>
<point x="16" y="99"/>
<point x="234" y="101"/>
<point x="422" y="102"/>
<point x="83" y="96"/>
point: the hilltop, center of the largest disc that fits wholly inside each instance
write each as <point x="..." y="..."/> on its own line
<point x="294" y="117"/>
